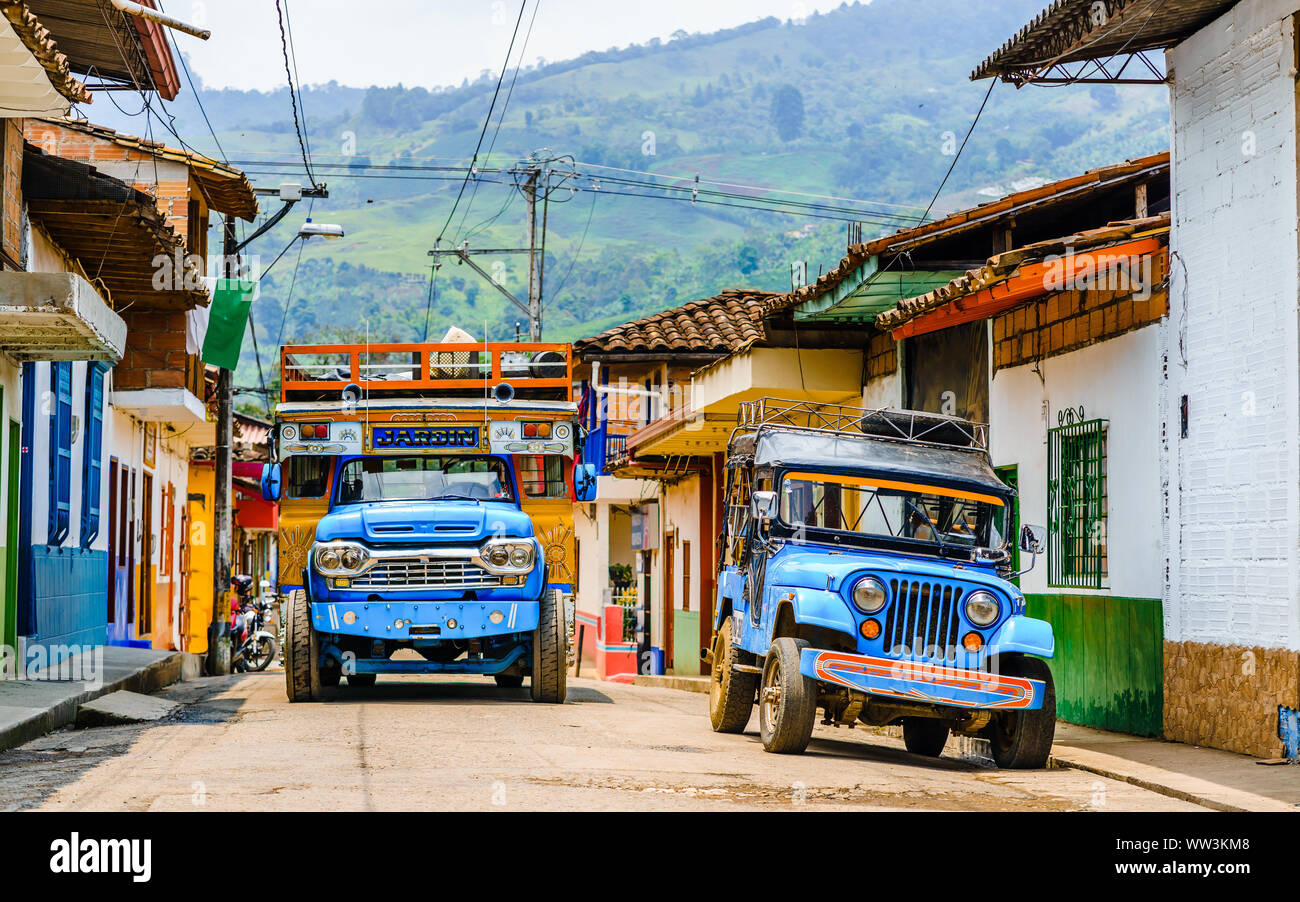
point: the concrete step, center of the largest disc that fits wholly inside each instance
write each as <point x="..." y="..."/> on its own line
<point x="123" y="707"/>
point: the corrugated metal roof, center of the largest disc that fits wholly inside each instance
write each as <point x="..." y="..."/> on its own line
<point x="1076" y="30"/>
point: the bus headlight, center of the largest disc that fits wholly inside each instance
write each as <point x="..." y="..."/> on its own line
<point x="341" y="558"/>
<point x="869" y="595"/>
<point x="982" y="609"/>
<point x="515" y="556"/>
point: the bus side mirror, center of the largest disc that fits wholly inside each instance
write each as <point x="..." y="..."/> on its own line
<point x="1033" y="539"/>
<point x="763" y="506"/>
<point x="271" y="482"/>
<point x="584" y="482"/>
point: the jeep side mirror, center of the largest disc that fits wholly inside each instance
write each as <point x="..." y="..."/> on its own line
<point x="271" y="482"/>
<point x="763" y="506"/>
<point x="584" y="482"/>
<point x="1033" y="539"/>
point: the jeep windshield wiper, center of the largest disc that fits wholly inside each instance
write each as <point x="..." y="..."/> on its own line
<point x="454" y="497"/>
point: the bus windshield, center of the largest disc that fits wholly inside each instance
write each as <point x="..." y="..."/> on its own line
<point x="890" y="509"/>
<point x="424" y="479"/>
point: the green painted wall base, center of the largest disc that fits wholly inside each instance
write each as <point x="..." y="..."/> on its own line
<point x="1109" y="664"/>
<point x="686" y="643"/>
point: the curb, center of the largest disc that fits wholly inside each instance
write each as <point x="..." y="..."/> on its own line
<point x="149" y="678"/>
<point x="681" y="683"/>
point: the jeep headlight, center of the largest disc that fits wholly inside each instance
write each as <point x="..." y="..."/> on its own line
<point x="341" y="558"/>
<point x="869" y="595"/>
<point x="982" y="609"/>
<point x="512" y="555"/>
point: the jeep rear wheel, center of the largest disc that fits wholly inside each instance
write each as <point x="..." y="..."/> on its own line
<point x="925" y="736"/>
<point x="787" y="700"/>
<point x="1023" y="739"/>
<point x="550" y="651"/>
<point x="731" y="692"/>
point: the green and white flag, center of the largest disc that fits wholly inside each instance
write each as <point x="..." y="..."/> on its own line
<point x="228" y="321"/>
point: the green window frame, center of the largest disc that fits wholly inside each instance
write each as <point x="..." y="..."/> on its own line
<point x="1076" y="505"/>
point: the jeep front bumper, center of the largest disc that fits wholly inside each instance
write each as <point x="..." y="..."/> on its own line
<point x="919" y="681"/>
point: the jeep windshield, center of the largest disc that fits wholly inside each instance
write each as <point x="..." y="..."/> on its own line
<point x="424" y="479"/>
<point x="928" y="518"/>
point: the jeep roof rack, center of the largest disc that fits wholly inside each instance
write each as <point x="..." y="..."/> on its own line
<point x="887" y="423"/>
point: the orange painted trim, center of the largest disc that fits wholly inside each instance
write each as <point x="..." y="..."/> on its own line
<point x="1028" y="283"/>
<point x="892" y="484"/>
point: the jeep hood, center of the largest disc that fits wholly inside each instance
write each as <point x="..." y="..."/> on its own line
<point x="809" y="568"/>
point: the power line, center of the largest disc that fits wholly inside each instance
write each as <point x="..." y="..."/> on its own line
<point x="293" y="99"/>
<point x="957" y="156"/>
<point x="501" y="118"/>
<point x="486" y="122"/>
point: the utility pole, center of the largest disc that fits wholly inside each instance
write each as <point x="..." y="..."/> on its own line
<point x="537" y="182"/>
<point x="219" y="651"/>
<point x="534" y="259"/>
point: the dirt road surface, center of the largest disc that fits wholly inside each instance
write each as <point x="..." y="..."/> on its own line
<point x="464" y="744"/>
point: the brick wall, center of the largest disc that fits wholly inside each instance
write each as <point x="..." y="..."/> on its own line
<point x="1232" y="490"/>
<point x="882" y="355"/>
<point x="155" y="351"/>
<point x="1067" y="320"/>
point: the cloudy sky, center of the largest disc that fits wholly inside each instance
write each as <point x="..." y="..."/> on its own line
<point x="435" y="42"/>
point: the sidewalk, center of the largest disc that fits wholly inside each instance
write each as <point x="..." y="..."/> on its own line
<point x="31" y="708"/>
<point x="1210" y="777"/>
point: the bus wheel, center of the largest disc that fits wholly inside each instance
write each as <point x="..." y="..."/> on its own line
<point x="550" y="651"/>
<point x="299" y="649"/>
<point x="731" y="692"/>
<point x="787" y="700"/>
<point x="1023" y="739"/>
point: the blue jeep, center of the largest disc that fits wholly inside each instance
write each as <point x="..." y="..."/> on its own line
<point x="864" y="570"/>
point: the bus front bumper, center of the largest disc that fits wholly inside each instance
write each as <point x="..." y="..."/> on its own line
<point x="424" y="620"/>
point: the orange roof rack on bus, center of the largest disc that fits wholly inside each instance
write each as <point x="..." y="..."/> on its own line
<point x="535" y="370"/>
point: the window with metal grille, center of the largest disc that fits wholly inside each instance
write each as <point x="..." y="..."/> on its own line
<point x="1076" y="505"/>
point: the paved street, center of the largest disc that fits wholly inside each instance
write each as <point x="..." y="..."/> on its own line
<point x="458" y="744"/>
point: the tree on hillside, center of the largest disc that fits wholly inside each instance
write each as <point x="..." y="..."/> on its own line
<point x="787" y="112"/>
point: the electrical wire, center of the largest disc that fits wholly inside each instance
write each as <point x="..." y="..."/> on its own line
<point x="957" y="156"/>
<point x="523" y="49"/>
<point x="293" y="99"/>
<point x="486" y="122"/>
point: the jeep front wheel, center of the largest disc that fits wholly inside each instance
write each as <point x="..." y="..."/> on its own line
<point x="787" y="700"/>
<point x="1023" y="739"/>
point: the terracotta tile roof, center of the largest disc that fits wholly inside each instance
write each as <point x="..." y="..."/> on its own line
<point x="717" y="325"/>
<point x="36" y="37"/>
<point x="975" y="217"/>
<point x="1001" y="267"/>
<point x="226" y="188"/>
<point x="1070" y="31"/>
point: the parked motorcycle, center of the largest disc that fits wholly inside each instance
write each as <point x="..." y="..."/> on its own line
<point x="255" y="646"/>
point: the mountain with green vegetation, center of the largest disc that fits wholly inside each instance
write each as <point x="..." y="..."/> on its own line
<point x="869" y="102"/>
